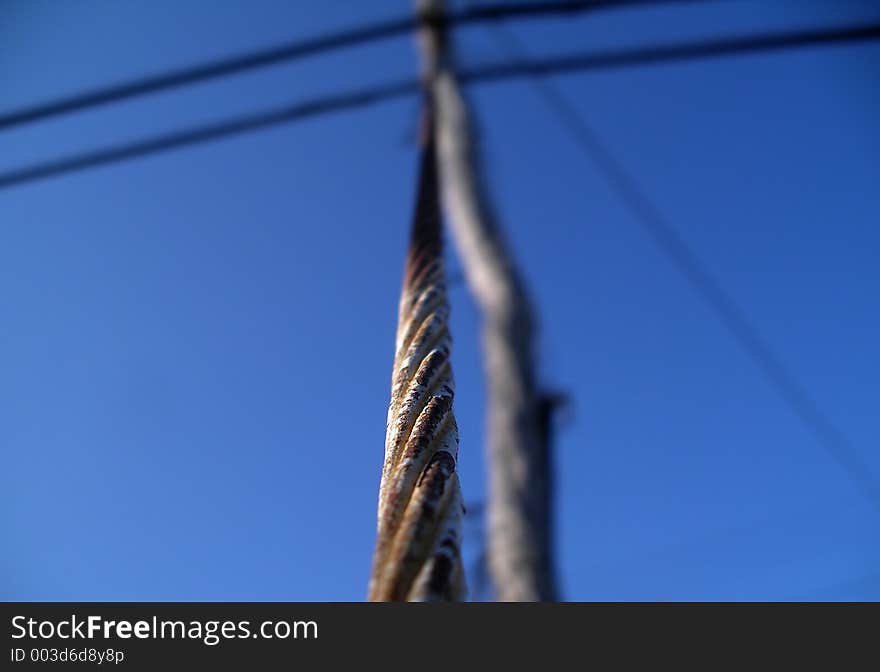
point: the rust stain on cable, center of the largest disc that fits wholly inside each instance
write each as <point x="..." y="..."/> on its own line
<point x="418" y="556"/>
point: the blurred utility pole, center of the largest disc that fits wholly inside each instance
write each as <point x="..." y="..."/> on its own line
<point x="519" y="515"/>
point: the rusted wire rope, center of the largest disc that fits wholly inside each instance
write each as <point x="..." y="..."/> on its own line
<point x="418" y="554"/>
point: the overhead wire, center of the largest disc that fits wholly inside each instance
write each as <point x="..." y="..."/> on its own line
<point x="539" y="67"/>
<point x="302" y="48"/>
<point x="732" y="316"/>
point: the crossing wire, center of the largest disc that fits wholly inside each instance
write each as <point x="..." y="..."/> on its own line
<point x="581" y="62"/>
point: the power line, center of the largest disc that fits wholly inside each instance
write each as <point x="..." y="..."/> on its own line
<point x="583" y="62"/>
<point x="200" y="134"/>
<point x="733" y="317"/>
<point x="299" y="49"/>
<point x="703" y="49"/>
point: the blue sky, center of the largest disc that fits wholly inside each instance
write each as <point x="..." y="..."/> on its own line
<point x="195" y="348"/>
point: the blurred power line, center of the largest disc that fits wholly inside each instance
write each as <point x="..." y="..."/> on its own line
<point x="582" y="62"/>
<point x="731" y="315"/>
<point x="688" y="51"/>
<point x="204" y="133"/>
<point x="291" y="51"/>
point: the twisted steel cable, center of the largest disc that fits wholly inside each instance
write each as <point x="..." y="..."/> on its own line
<point x="418" y="556"/>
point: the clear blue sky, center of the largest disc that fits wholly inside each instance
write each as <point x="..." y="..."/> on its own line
<point x="195" y="348"/>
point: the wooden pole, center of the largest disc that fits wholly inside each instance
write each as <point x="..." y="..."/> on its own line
<point x="519" y="497"/>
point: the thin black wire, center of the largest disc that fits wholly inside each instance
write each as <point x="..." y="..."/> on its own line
<point x="292" y="51"/>
<point x="497" y="72"/>
<point x="654" y="55"/>
<point x="730" y="314"/>
<point x="200" y="134"/>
